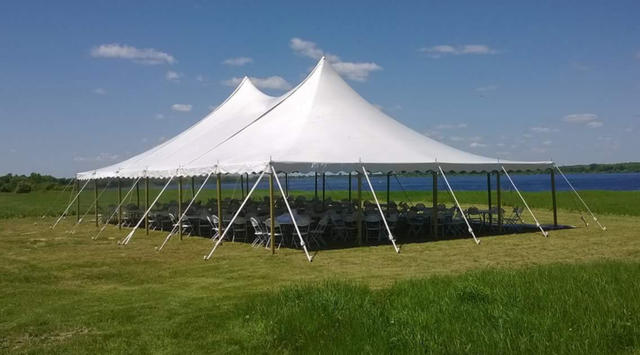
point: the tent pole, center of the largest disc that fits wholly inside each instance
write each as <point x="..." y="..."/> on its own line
<point x="272" y="216"/>
<point x="316" y="186"/>
<point x="138" y="194"/>
<point x="76" y="198"/>
<point x="293" y="219"/>
<point x="242" y="185"/>
<point x="126" y="240"/>
<point x="375" y="198"/>
<point x="580" y="198"/>
<point x="434" y="210"/>
<point x="247" y="183"/>
<point x="552" y="174"/>
<point x="117" y="210"/>
<point x="499" y="200"/>
<point x="95" y="202"/>
<point x="184" y="213"/>
<point x="146" y="204"/>
<point x="359" y="219"/>
<point x="489" y="197"/>
<point x="388" y="193"/>
<point x="525" y="202"/>
<point x="78" y="201"/>
<point x="323" y="188"/>
<point x="180" y="205"/>
<point x="208" y="256"/>
<point x="349" y="187"/>
<point x="470" y="230"/>
<point x="193" y="186"/>
<point x="119" y="204"/>
<point x="219" y="196"/>
<point x="286" y="184"/>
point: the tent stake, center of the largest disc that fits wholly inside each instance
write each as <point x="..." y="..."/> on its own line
<point x="580" y="198"/>
<point x="224" y="233"/>
<point x="293" y="219"/>
<point x="434" y="210"/>
<point x="525" y="202"/>
<point x="470" y="230"/>
<point x="375" y="198"/>
<point x="182" y="216"/>
<point x="126" y="240"/>
<point x="117" y="210"/>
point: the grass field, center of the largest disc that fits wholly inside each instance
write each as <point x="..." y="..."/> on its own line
<point x="574" y="292"/>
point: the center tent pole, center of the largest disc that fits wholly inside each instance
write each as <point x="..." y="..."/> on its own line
<point x="126" y="240"/>
<point x="525" y="202"/>
<point x="184" y="213"/>
<point x="119" y="204"/>
<point x="470" y="230"/>
<point x="434" y="210"/>
<point x="272" y="216"/>
<point x="489" y="197"/>
<point x="180" y="205"/>
<point x="375" y="198"/>
<point x="219" y="196"/>
<point x="95" y="202"/>
<point x="359" y="218"/>
<point x="146" y="204"/>
<point x="222" y="235"/>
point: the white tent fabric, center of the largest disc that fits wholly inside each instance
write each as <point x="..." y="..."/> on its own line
<point x="322" y="125"/>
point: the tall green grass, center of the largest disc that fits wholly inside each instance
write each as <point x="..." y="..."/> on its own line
<point x="52" y="203"/>
<point x="560" y="309"/>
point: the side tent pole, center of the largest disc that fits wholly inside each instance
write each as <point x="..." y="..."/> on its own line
<point x="525" y="202"/>
<point x="315" y="194"/>
<point x="359" y="219"/>
<point x="580" y="198"/>
<point x="95" y="202"/>
<point x="118" y="209"/>
<point x="246" y="181"/>
<point x="193" y="186"/>
<point x="138" y="194"/>
<point x="349" y="187"/>
<point x="388" y="193"/>
<point x="180" y="205"/>
<point x="552" y="174"/>
<point x="78" y="200"/>
<point x="126" y="240"/>
<point x="446" y="181"/>
<point x="119" y="204"/>
<point x="272" y="216"/>
<point x="434" y="210"/>
<point x="286" y="184"/>
<point x="219" y="196"/>
<point x="323" y="188"/>
<point x="499" y="201"/>
<point x="146" y="204"/>
<point x="375" y="198"/>
<point x="242" y="185"/>
<point x="489" y="197"/>
<point x="222" y="235"/>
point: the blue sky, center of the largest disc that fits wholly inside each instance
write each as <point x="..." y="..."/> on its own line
<point x="86" y="84"/>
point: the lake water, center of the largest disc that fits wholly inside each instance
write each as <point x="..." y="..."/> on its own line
<point x="537" y="182"/>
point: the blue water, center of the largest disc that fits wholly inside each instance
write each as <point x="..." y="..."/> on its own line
<point x="538" y="182"/>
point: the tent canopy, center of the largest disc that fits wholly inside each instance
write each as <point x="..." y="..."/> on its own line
<point x="322" y="125"/>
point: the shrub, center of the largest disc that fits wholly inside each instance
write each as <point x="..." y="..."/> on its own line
<point x="23" y="187"/>
<point x="7" y="187"/>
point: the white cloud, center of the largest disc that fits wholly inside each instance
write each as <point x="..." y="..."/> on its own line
<point x="451" y="126"/>
<point x="580" y="66"/>
<point x="466" y="49"/>
<point x="100" y="91"/>
<point x="200" y="78"/>
<point x="477" y="145"/>
<point x="173" y="76"/>
<point x="181" y="107"/>
<point x="456" y="138"/>
<point x="638" y="55"/>
<point x="484" y="89"/>
<point x="13" y="150"/>
<point x="540" y="129"/>
<point x="237" y="62"/>
<point x="356" y="71"/>
<point x="99" y="158"/>
<point x="595" y="124"/>
<point x="547" y="142"/>
<point x="137" y="55"/>
<point x="159" y="116"/>
<point x="272" y="82"/>
<point x="580" y="118"/>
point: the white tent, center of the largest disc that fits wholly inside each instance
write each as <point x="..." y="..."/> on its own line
<point x="321" y="125"/>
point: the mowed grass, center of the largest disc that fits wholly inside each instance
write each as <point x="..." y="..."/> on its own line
<point x="574" y="292"/>
<point x="53" y="203"/>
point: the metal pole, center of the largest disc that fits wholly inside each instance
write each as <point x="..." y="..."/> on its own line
<point x="323" y="188"/>
<point x="78" y="201"/>
<point x="180" y="206"/>
<point x="193" y="186"/>
<point x="388" y="193"/>
<point x="359" y="219"/>
<point x="286" y="184"/>
<point x="434" y="210"/>
<point x="349" y="187"/>
<point x="242" y="185"/>
<point x="247" y="182"/>
<point x="146" y="204"/>
<point x="219" y="196"/>
<point x="316" y="187"/>
<point x="553" y="197"/>
<point x="272" y="215"/>
<point x="499" y="202"/>
<point x="138" y="194"/>
<point x="119" y="204"/>
<point x="95" y="195"/>
<point x="489" y="197"/>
